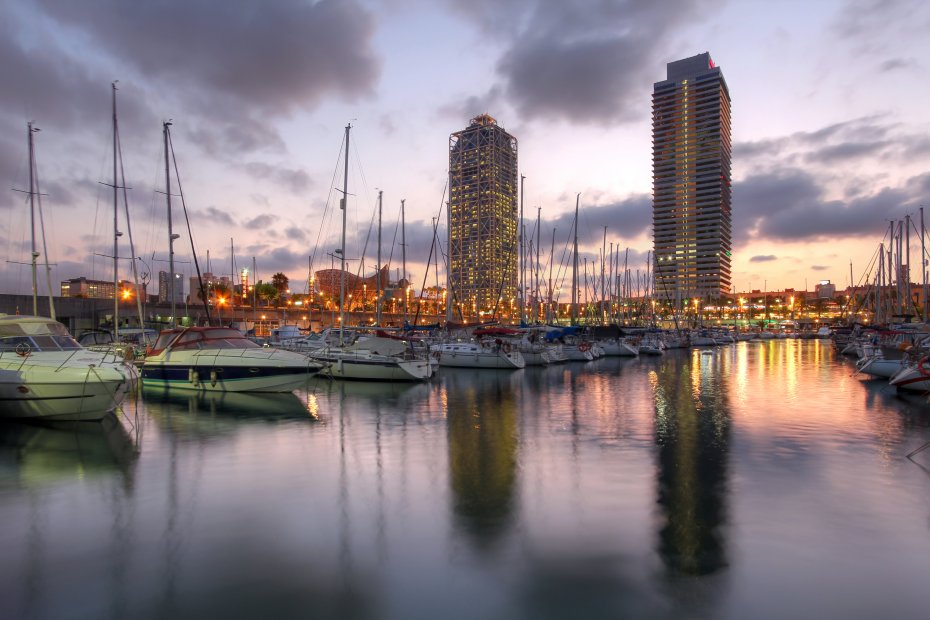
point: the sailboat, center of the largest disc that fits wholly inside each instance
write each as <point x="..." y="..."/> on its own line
<point x="216" y="359"/>
<point x="370" y="358"/>
<point x="44" y="373"/>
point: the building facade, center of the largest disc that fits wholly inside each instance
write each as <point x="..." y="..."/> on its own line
<point x="89" y="289"/>
<point x="164" y="288"/>
<point x="691" y="210"/>
<point x="483" y="219"/>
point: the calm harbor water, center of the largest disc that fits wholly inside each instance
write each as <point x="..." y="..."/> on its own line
<point x="762" y="480"/>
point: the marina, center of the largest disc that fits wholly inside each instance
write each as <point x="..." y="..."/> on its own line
<point x="761" y="479"/>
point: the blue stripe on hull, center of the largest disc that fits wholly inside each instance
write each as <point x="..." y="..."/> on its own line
<point x="228" y="373"/>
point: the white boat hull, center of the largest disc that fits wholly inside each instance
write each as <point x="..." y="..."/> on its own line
<point x="65" y="386"/>
<point x="473" y="356"/>
<point x="912" y="379"/>
<point x="366" y="369"/>
<point x="879" y="367"/>
<point x="228" y="370"/>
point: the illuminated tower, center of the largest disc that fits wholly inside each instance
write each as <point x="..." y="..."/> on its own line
<point x="691" y="181"/>
<point x="483" y="218"/>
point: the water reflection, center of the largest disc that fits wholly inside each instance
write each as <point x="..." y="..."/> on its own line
<point x="214" y="414"/>
<point x="38" y="454"/>
<point x="692" y="429"/>
<point x="482" y="431"/>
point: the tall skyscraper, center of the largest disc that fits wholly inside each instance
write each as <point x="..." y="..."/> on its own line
<point x="691" y="181"/>
<point x="164" y="287"/>
<point x="483" y="219"/>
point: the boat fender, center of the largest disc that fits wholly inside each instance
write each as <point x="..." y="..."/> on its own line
<point x="213" y="378"/>
<point x="922" y="366"/>
<point x="192" y="376"/>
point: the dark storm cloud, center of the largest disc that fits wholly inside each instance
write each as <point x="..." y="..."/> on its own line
<point x="790" y="205"/>
<point x="47" y="84"/>
<point x="473" y="105"/>
<point x="261" y="221"/>
<point x="225" y="71"/>
<point x="626" y="219"/>
<point x="212" y="215"/>
<point x="577" y="60"/>
<point x="763" y="258"/>
<point x="296" y="181"/>
<point x="857" y="138"/>
<point x="277" y="55"/>
<point x="839" y="153"/>
<point x="897" y="63"/>
<point x="295" y="234"/>
<point x="862" y="20"/>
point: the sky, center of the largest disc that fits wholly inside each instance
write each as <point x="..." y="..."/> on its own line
<point x="831" y="135"/>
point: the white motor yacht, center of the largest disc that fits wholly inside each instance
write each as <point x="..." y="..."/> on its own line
<point x="373" y="358"/>
<point x="481" y="354"/>
<point x="220" y="359"/>
<point x="45" y="374"/>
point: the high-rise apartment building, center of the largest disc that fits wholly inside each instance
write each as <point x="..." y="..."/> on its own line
<point x="691" y="181"/>
<point x="164" y="287"/>
<point x="483" y="219"/>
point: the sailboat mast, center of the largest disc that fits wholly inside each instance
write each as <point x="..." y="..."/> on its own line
<point x="923" y="263"/>
<point x="378" y="266"/>
<point x="907" y="271"/>
<point x="116" y="233"/>
<point x="171" y="235"/>
<point x="342" y="248"/>
<point x="32" y="217"/>
<point x="522" y="266"/>
<point x="603" y="296"/>
<point x="549" y="311"/>
<point x="575" y="264"/>
<point x="403" y="254"/>
<point x="536" y="266"/>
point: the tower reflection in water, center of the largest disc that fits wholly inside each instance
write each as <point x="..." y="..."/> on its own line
<point x="482" y="428"/>
<point x="692" y="430"/>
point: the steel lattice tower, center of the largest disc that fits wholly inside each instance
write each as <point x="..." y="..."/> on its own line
<point x="483" y="218"/>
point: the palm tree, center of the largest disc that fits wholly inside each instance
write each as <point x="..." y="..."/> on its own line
<point x="267" y="292"/>
<point x="280" y="282"/>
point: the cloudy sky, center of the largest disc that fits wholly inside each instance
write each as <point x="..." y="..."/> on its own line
<point x="830" y="125"/>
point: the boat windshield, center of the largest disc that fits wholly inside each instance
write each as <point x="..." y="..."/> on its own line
<point x="38" y="343"/>
<point x="213" y="338"/>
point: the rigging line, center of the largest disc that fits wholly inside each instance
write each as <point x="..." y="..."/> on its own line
<point x="433" y="246"/>
<point x="562" y="271"/>
<point x="362" y="179"/>
<point x="152" y="217"/>
<point x="190" y="234"/>
<point x="132" y="246"/>
<point x="326" y="207"/>
<point x="358" y="273"/>
<point x="393" y="243"/>
<point x="48" y="269"/>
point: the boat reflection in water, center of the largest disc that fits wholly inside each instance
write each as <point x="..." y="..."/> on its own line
<point x="42" y="454"/>
<point x="387" y="392"/>
<point x="692" y="431"/>
<point x="234" y="405"/>
<point x="483" y="439"/>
